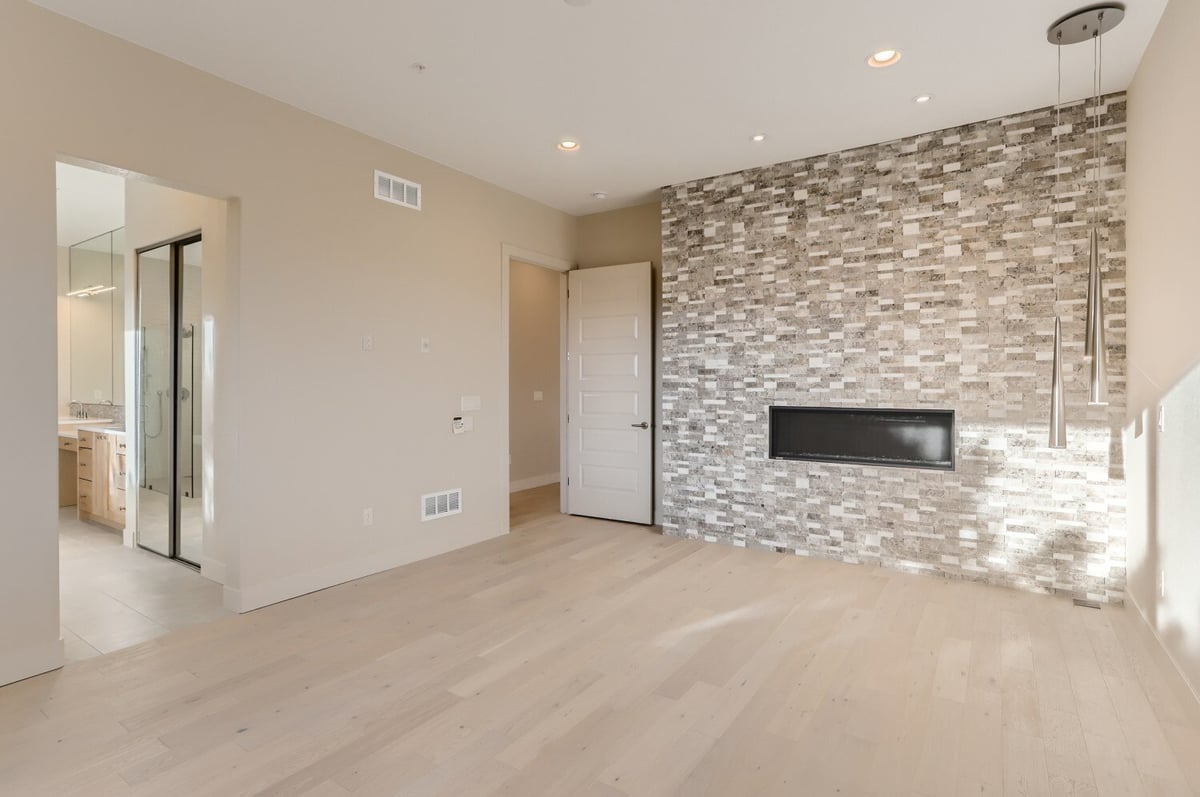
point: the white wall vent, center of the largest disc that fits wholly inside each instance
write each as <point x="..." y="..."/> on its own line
<point x="436" y="505"/>
<point x="397" y="190"/>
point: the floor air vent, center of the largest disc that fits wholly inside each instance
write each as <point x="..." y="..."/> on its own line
<point x="436" y="505"/>
<point x="397" y="190"/>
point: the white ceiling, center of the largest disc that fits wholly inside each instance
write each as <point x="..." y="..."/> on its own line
<point x="657" y="91"/>
<point x="90" y="203"/>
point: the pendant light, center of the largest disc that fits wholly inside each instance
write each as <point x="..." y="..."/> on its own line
<point x="1084" y="25"/>
<point x="1098" y="383"/>
<point x="1058" y="402"/>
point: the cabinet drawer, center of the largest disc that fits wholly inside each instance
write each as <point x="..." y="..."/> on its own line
<point x="85" y="465"/>
<point x="87" y="439"/>
<point x="85" y="497"/>
<point x="68" y="444"/>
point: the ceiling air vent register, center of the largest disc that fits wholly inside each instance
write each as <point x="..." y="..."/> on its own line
<point x="397" y="190"/>
<point x="436" y="505"/>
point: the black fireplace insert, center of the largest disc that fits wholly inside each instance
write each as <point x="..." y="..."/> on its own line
<point x="890" y="437"/>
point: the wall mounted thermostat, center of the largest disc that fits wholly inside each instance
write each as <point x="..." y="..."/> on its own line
<point x="462" y="424"/>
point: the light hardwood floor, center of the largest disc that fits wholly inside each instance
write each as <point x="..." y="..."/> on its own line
<point x="578" y="657"/>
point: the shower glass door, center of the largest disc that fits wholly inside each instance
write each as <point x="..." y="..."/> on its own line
<point x="169" y="520"/>
<point x="156" y="419"/>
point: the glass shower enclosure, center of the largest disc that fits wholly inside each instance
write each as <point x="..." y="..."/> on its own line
<point x="169" y="518"/>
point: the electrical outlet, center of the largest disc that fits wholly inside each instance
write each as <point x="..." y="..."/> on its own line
<point x="538" y="395"/>
<point x="368" y="517"/>
<point x="368" y="343"/>
<point x="426" y="346"/>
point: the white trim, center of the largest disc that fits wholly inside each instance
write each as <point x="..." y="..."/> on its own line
<point x="17" y="665"/>
<point x="532" y="482"/>
<point x="509" y="253"/>
<point x="212" y="569"/>
<point x="1170" y="657"/>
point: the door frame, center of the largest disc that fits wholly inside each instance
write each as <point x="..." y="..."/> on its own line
<point x="176" y="244"/>
<point x="509" y="253"/>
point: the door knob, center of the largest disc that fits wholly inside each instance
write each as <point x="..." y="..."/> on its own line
<point x="642" y="425"/>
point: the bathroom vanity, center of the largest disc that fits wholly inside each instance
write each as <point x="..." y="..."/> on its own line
<point x="98" y="482"/>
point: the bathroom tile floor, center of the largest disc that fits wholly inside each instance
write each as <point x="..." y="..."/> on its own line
<point x="114" y="597"/>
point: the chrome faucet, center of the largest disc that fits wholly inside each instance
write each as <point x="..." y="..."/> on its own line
<point x="77" y="413"/>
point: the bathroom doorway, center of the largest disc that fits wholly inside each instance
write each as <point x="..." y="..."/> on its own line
<point x="169" y="360"/>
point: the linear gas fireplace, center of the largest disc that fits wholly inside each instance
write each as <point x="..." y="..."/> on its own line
<point x="897" y="438"/>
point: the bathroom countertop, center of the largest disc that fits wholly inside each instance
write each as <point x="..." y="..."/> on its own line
<point x="73" y="434"/>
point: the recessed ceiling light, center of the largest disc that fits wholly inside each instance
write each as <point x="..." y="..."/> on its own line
<point x="568" y="145"/>
<point x="599" y="195"/>
<point x="884" y="58"/>
<point x="758" y="138"/>
<point x="922" y="98"/>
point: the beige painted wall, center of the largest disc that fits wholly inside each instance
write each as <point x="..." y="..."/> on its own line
<point x="322" y="428"/>
<point x="632" y="235"/>
<point x="534" y="343"/>
<point x="1164" y="336"/>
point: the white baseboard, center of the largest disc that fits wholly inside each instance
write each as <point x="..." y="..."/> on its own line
<point x="1170" y="656"/>
<point x="17" y="665"/>
<point x="533" y="481"/>
<point x="212" y="569"/>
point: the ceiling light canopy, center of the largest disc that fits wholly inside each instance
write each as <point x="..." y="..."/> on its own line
<point x="569" y="145"/>
<point x="884" y="58"/>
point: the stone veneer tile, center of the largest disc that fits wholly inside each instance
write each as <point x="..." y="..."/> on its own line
<point x="916" y="273"/>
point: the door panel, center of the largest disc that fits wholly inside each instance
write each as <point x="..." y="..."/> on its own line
<point x="156" y="419"/>
<point x="168" y="491"/>
<point x="610" y="459"/>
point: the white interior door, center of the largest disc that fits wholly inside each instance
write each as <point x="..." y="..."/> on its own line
<point x="611" y="390"/>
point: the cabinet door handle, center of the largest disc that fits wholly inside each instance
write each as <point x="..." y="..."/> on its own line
<point x="642" y="425"/>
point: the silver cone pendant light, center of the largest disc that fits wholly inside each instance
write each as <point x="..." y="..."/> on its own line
<point x="1093" y="293"/>
<point x="1058" y="403"/>
<point x="1098" y="383"/>
<point x="1088" y="24"/>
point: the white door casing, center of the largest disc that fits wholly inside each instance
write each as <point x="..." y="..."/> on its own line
<point x="611" y="393"/>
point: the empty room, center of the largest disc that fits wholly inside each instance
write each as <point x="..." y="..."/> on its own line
<point x="600" y="398"/>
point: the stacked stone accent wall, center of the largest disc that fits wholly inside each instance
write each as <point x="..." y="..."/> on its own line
<point x="916" y="273"/>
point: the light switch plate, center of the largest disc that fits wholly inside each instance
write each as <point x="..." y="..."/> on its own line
<point x="426" y="346"/>
<point x="538" y="395"/>
<point x="368" y="343"/>
<point x="471" y="403"/>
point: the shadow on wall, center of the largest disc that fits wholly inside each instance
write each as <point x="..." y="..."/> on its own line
<point x="1163" y="464"/>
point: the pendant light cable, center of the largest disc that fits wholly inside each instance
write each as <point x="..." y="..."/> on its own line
<point x="1057" y="172"/>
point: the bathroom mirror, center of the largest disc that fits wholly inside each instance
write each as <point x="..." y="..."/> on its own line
<point x="97" y="307"/>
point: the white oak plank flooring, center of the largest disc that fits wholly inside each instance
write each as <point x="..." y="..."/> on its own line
<point x="579" y="657"/>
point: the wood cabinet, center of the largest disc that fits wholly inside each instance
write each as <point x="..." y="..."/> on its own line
<point x="68" y="471"/>
<point x="101" y="477"/>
